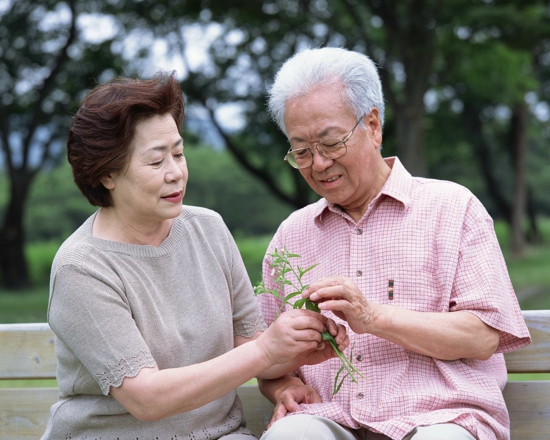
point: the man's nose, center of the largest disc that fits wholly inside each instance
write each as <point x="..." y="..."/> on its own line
<point x="320" y="162"/>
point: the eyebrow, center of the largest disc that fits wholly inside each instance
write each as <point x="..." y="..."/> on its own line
<point x="166" y="147"/>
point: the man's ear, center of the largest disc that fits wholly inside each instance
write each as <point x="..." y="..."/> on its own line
<point x="374" y="126"/>
<point x="108" y="181"/>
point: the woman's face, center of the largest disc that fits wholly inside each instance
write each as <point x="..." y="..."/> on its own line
<point x="151" y="187"/>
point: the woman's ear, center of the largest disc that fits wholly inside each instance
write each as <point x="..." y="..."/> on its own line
<point x="108" y="181"/>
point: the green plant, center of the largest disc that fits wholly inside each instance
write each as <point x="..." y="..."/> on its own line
<point x="40" y="256"/>
<point x="281" y="263"/>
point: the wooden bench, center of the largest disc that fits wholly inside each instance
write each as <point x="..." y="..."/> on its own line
<point x="27" y="352"/>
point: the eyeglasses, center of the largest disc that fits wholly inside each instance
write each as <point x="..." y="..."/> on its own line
<point x="300" y="155"/>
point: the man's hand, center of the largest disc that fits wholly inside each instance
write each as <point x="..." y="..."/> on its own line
<point x="342" y="297"/>
<point x="446" y="336"/>
<point x="287" y="393"/>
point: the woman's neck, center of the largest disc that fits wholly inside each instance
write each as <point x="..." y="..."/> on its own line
<point x="109" y="224"/>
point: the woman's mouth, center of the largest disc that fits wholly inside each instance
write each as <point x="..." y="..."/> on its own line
<point x="175" y="197"/>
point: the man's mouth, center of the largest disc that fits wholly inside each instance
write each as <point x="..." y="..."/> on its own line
<point x="332" y="179"/>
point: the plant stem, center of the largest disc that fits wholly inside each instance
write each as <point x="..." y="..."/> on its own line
<point x="281" y="262"/>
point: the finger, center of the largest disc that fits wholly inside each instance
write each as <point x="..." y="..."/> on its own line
<point x="344" y="344"/>
<point x="317" y="323"/>
<point x="296" y="313"/>
<point x="338" y="292"/>
<point x="319" y="284"/>
<point x="279" y="412"/>
<point x="290" y="404"/>
<point x="314" y="397"/>
<point x="332" y="327"/>
<point x="337" y="305"/>
<point x="339" y="332"/>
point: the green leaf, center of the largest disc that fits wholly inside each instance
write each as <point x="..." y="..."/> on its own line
<point x="292" y="295"/>
<point x="310" y="267"/>
<point x="310" y="305"/>
<point x="282" y="265"/>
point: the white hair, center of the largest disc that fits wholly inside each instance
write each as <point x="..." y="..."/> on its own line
<point x="312" y="68"/>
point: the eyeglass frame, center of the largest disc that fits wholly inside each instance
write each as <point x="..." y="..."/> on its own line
<point x="315" y="144"/>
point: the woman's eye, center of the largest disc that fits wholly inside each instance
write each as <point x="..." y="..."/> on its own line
<point x="156" y="164"/>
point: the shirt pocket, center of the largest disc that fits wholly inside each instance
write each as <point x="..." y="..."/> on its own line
<point x="410" y="289"/>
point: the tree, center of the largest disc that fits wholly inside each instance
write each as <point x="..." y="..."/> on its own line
<point x="45" y="67"/>
<point x="403" y="38"/>
<point x="407" y="39"/>
<point x="495" y="55"/>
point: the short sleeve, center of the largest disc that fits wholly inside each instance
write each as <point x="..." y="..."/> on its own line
<point x="91" y="318"/>
<point x="482" y="285"/>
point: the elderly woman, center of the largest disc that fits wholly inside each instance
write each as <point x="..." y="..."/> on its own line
<point x="154" y="315"/>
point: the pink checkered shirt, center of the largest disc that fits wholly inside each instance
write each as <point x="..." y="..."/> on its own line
<point x="437" y="244"/>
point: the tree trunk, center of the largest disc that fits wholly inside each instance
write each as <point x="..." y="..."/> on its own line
<point x="474" y="130"/>
<point x="13" y="265"/>
<point x="409" y="130"/>
<point x="518" y="143"/>
<point x="534" y="235"/>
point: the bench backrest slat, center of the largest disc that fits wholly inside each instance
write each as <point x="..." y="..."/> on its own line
<point x="27" y="351"/>
<point x="535" y="358"/>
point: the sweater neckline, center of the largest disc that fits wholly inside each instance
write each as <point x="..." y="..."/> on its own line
<point x="135" y="250"/>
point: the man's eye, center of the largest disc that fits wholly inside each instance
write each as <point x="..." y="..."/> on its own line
<point x="301" y="152"/>
<point x="331" y="143"/>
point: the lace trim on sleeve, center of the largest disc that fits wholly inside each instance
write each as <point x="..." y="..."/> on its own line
<point x="249" y="328"/>
<point x="126" y="367"/>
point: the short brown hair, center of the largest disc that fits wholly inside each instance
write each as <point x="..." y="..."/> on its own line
<point x="104" y="126"/>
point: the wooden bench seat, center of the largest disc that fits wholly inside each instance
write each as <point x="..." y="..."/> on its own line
<point x="27" y="352"/>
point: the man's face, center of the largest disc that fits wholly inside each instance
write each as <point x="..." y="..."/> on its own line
<point x="354" y="179"/>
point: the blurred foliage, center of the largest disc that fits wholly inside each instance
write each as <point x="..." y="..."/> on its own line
<point x="55" y="207"/>
<point x="454" y="73"/>
<point x="218" y="182"/>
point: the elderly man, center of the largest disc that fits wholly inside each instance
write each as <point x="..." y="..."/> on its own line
<point x="410" y="265"/>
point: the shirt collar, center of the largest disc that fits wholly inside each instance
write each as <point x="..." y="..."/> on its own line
<point x="398" y="186"/>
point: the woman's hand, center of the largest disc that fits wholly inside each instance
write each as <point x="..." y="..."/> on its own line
<point x="294" y="339"/>
<point x="293" y="333"/>
<point x="325" y="351"/>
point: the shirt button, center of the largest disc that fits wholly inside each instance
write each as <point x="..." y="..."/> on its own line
<point x="359" y="231"/>
<point x="359" y="357"/>
<point x="360" y="395"/>
<point x="359" y="273"/>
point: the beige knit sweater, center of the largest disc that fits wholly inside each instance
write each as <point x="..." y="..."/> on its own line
<point x="116" y="308"/>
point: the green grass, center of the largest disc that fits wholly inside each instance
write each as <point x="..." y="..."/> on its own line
<point x="252" y="250"/>
<point x="528" y="376"/>
<point x="40" y="257"/>
<point x="530" y="275"/>
<point x="28" y="306"/>
<point x="38" y="383"/>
